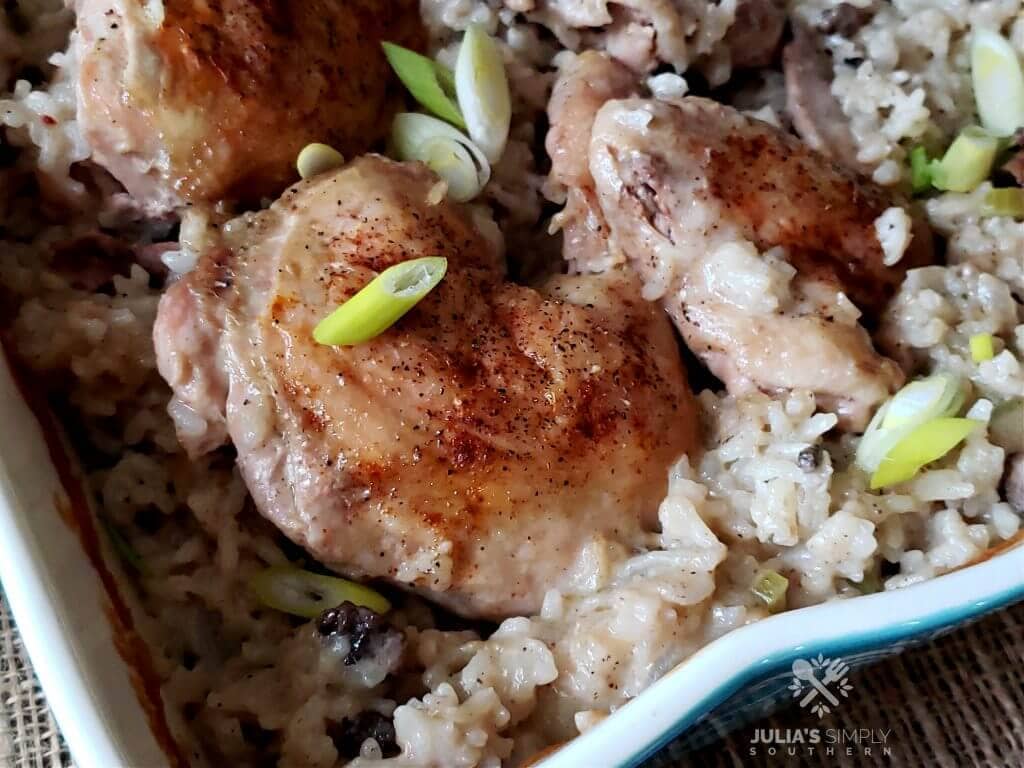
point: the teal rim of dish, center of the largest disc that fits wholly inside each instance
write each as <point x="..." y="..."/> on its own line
<point x="870" y="646"/>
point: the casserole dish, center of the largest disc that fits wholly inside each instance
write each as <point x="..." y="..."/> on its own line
<point x="81" y="644"/>
<point x="447" y="372"/>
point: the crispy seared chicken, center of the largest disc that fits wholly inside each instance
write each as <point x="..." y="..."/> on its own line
<point x="189" y="102"/>
<point x="473" y="450"/>
<point x="764" y="252"/>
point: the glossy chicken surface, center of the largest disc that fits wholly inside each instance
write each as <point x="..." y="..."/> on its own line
<point x="473" y="451"/>
<point x="676" y="182"/>
<point x="188" y="102"/>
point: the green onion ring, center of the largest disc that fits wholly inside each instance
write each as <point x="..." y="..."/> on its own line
<point x="982" y="347"/>
<point x="292" y="590"/>
<point x="482" y="87"/>
<point x="998" y="82"/>
<point x="770" y="588"/>
<point x="1004" y="201"/>
<point x="381" y="303"/>
<point x="315" y="159"/>
<point x="929" y="442"/>
<point x="967" y="162"/>
<point x="426" y="81"/>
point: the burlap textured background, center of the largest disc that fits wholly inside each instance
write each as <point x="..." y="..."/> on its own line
<point x="959" y="702"/>
<point x="28" y="734"/>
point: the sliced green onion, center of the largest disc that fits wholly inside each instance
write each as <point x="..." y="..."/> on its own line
<point x="452" y="162"/>
<point x="315" y="159"/>
<point x="430" y="83"/>
<point x="302" y="593"/>
<point x="381" y="303"/>
<point x="967" y="162"/>
<point x="982" y="348"/>
<point x="998" y="82"/>
<point x="871" y="583"/>
<point x="918" y="402"/>
<point x="447" y="152"/>
<point x="920" y="170"/>
<point x="1008" y="201"/>
<point x="482" y="88"/>
<point x="446" y="78"/>
<point x="120" y="545"/>
<point x="770" y="588"/>
<point x="927" y="443"/>
<point x="924" y="399"/>
<point x="1006" y="427"/>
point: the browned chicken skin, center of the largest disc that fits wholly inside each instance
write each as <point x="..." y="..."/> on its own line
<point x="471" y="452"/>
<point x="674" y="182"/>
<point x="775" y="190"/>
<point x="772" y="190"/>
<point x="194" y="102"/>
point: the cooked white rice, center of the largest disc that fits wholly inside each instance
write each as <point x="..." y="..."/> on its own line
<point x="775" y="488"/>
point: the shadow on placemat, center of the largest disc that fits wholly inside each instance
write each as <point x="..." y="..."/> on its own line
<point x="958" y="702"/>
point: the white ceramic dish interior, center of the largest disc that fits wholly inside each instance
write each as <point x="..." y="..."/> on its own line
<point x="61" y="608"/>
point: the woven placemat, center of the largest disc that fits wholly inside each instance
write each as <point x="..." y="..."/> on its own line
<point x="958" y="702"/>
<point x="28" y="734"/>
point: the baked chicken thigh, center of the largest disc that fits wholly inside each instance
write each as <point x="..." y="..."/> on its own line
<point x="473" y="452"/>
<point x="188" y="102"/>
<point x="765" y="253"/>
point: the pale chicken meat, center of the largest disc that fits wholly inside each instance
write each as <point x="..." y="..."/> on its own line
<point x="764" y="253"/>
<point x="188" y="102"/>
<point x="584" y="85"/>
<point x="474" y="452"/>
